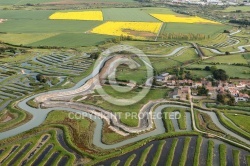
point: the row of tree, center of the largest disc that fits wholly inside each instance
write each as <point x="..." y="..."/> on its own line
<point x="182" y="36"/>
<point x="241" y="22"/>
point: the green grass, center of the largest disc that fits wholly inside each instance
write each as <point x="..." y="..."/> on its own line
<point x="32" y="104"/>
<point x="24" y="38"/>
<point x="33" y="138"/>
<point x="234" y="8"/>
<point x="207" y="52"/>
<point x="129" y="160"/>
<point x="240" y="120"/>
<point x="111" y="137"/>
<point x="223" y="154"/>
<point x="236" y="157"/>
<point x="197" y="150"/>
<point x="210" y="153"/>
<point x="76" y="131"/>
<point x="247" y="56"/>
<point x="248" y="160"/>
<point x="220" y="106"/>
<point x="41" y="31"/>
<point x="234" y="127"/>
<point x="115" y="163"/>
<point x="127" y="14"/>
<point x="162" y="64"/>
<point x="227" y="59"/>
<point x="24" y="2"/>
<point x="139" y="75"/>
<point x="168" y="124"/>
<point x="152" y="48"/>
<point x="187" y="55"/>
<point x="184" y="152"/>
<point x="18" y="117"/>
<point x="25" y="14"/>
<point x="158" y="10"/>
<point x="218" y="38"/>
<point x="200" y="73"/>
<point x="100" y="102"/>
<point x="47" y="26"/>
<point x="158" y="153"/>
<point x="72" y="40"/>
<point x="231" y="70"/>
<point x="206" y="29"/>
<point x="243" y="41"/>
<point x="170" y="156"/>
<point x="182" y="121"/>
<point x="144" y="155"/>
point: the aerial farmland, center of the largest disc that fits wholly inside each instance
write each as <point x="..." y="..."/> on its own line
<point x="124" y="82"/>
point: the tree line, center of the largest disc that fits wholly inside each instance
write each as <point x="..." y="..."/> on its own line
<point x="182" y="36"/>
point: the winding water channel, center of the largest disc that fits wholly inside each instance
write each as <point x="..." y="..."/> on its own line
<point x="39" y="116"/>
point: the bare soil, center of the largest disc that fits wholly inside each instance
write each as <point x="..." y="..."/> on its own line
<point x="140" y="33"/>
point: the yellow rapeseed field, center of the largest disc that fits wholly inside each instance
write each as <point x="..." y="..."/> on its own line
<point x="188" y="19"/>
<point x="85" y="15"/>
<point x="128" y="28"/>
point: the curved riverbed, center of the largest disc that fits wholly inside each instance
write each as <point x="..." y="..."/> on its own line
<point x="39" y="116"/>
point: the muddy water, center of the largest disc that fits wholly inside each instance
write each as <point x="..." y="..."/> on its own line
<point x="165" y="151"/>
<point x="178" y="153"/>
<point x="42" y="155"/>
<point x="191" y="152"/>
<point x="153" y="150"/>
<point x="203" y="152"/>
<point x="53" y="157"/>
<point x="64" y="160"/>
<point x="216" y="159"/>
<point x="1" y="151"/>
<point x="22" y="152"/>
<point x="12" y="151"/>
<point x="229" y="159"/>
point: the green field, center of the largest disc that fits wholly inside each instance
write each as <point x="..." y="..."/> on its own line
<point x="25" y="14"/>
<point x="234" y="8"/>
<point x="200" y="73"/>
<point x="32" y="27"/>
<point x="247" y="57"/>
<point x="158" y="11"/>
<point x="47" y="26"/>
<point x="228" y="59"/>
<point x="232" y="71"/>
<point x="127" y="14"/>
<point x="240" y="120"/>
<point x="72" y="40"/>
<point x="206" y="29"/>
<point x="23" y="2"/>
<point x="100" y="102"/>
<point x="24" y="38"/>
<point x="187" y="55"/>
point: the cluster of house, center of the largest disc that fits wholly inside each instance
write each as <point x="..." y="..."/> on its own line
<point x="234" y="90"/>
<point x="182" y="88"/>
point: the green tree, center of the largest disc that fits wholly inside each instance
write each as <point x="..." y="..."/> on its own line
<point x="220" y="75"/>
<point x="202" y="91"/>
